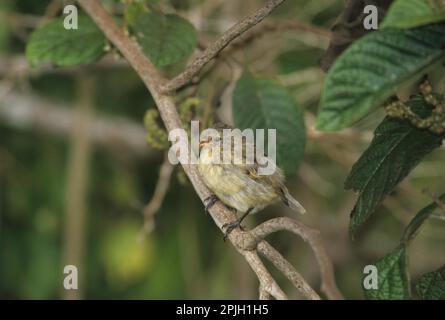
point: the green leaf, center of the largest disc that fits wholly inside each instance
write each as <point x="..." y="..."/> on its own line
<point x="373" y="68"/>
<point x="413" y="13"/>
<point x="264" y="104"/>
<point x="63" y="47"/>
<point x="393" y="279"/>
<point x="396" y="149"/>
<point x="165" y="39"/>
<point x="431" y="286"/>
<point x="415" y="224"/>
<point x="297" y="60"/>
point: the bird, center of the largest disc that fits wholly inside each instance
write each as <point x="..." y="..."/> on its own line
<point x="239" y="186"/>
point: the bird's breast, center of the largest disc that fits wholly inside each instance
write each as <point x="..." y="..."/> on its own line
<point x="236" y="188"/>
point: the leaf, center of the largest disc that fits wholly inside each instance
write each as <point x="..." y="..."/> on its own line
<point x="396" y="149"/>
<point x="165" y="39"/>
<point x="431" y="286"/>
<point x="264" y="104"/>
<point x="413" y="13"/>
<point x="393" y="279"/>
<point x="373" y="68"/>
<point x="63" y="47"/>
<point x="288" y="63"/>
<point x="415" y="224"/>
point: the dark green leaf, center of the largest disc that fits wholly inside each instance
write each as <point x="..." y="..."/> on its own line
<point x="419" y="219"/>
<point x="63" y="47"/>
<point x="431" y="286"/>
<point x="393" y="279"/>
<point x="396" y="149"/>
<point x="264" y="104"/>
<point x="165" y="39"/>
<point x="373" y="68"/>
<point x="413" y="13"/>
<point x="296" y="60"/>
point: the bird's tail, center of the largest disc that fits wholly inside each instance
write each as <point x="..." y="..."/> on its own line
<point x="292" y="203"/>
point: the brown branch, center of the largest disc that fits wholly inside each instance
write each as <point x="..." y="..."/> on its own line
<point x="214" y="49"/>
<point x="165" y="102"/>
<point x="257" y="33"/>
<point x="267" y="282"/>
<point x="156" y="201"/>
<point x="287" y="269"/>
<point x="309" y="235"/>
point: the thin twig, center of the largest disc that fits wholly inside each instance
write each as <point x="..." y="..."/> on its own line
<point x="288" y="270"/>
<point x="267" y="282"/>
<point x="328" y="286"/>
<point x="156" y="201"/>
<point x="214" y="49"/>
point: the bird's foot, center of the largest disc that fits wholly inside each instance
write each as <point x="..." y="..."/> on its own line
<point x="209" y="202"/>
<point x="231" y="226"/>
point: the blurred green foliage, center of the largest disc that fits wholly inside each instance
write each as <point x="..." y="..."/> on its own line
<point x="184" y="257"/>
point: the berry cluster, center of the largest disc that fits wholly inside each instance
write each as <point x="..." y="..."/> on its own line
<point x="435" y="122"/>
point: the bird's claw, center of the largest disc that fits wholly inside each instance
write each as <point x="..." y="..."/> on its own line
<point x="209" y="202"/>
<point x="230" y="227"/>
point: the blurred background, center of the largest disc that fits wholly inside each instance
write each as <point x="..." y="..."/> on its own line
<point x="77" y="174"/>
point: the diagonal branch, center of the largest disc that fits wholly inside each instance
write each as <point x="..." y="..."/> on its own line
<point x="287" y="269"/>
<point x="309" y="235"/>
<point x="267" y="282"/>
<point x="212" y="51"/>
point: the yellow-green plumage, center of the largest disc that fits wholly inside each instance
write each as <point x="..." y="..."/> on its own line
<point x="240" y="187"/>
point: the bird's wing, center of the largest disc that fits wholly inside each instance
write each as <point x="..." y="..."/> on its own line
<point x="276" y="179"/>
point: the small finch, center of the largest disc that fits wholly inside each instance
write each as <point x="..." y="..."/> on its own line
<point x="239" y="186"/>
